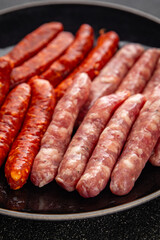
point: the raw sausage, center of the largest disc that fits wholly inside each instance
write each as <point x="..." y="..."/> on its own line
<point x="11" y="116"/>
<point x="106" y="46"/>
<point x="27" y="143"/>
<point x="85" y="139"/>
<point x="58" y="135"/>
<point x="153" y="82"/>
<point x="109" y="146"/>
<point x="5" y="69"/>
<point x="140" y="73"/>
<point x="111" y="75"/>
<point x="73" y="56"/>
<point x="155" y="157"/>
<point x="138" y="148"/>
<point x="33" y="42"/>
<point x="37" y="64"/>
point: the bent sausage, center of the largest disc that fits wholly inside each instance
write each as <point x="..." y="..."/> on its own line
<point x="11" y="116"/>
<point x="138" y="148"/>
<point x="33" y="42"/>
<point x="27" y="143"/>
<point x="5" y="69"/>
<point x="37" y="64"/>
<point x="111" y="75"/>
<point x="106" y="46"/>
<point x="109" y="146"/>
<point x="85" y="139"/>
<point x="140" y="73"/>
<point x="73" y="56"/>
<point x="58" y="134"/>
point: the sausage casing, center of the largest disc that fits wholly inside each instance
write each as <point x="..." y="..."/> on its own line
<point x="138" y="148"/>
<point x="33" y="42"/>
<point x="37" y="64"/>
<point x="27" y="143"/>
<point x="58" y="135"/>
<point x="108" y="148"/>
<point x="73" y="56"/>
<point x="85" y="139"/>
<point x="11" y="116"/>
<point x="106" y="46"/>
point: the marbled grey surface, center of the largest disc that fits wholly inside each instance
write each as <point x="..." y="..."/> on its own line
<point x="139" y="223"/>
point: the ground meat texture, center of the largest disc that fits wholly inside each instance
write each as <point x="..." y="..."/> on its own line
<point x="85" y="140"/>
<point x="155" y="157"/>
<point x="5" y="69"/>
<point x="149" y="89"/>
<point x="109" y="146"/>
<point x="58" y="135"/>
<point x="111" y="75"/>
<point x="27" y="143"/>
<point x="37" y="64"/>
<point x="11" y="116"/>
<point x="73" y="56"/>
<point x="140" y="73"/>
<point x="138" y="148"/>
<point x="106" y="46"/>
<point x="153" y="82"/>
<point x="33" y="42"/>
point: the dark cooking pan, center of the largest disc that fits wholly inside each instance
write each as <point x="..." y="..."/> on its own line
<point x="51" y="202"/>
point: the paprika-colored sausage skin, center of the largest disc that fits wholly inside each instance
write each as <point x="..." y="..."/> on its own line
<point x="85" y="140"/>
<point x="73" y="56"/>
<point x="106" y="46"/>
<point x="37" y="64"/>
<point x="5" y="70"/>
<point x="138" y="148"/>
<point x="108" y="148"/>
<point x="27" y="143"/>
<point x="11" y="116"/>
<point x="58" y="135"/>
<point x="33" y="43"/>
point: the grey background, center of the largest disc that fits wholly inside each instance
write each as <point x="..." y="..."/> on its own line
<point x="140" y="223"/>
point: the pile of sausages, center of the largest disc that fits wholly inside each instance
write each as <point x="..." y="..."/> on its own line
<point x="83" y="115"/>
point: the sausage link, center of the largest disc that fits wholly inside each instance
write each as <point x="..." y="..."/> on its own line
<point x="11" y="116"/>
<point x="94" y="62"/>
<point x="111" y="75"/>
<point x="109" y="146"/>
<point x="138" y="148"/>
<point x="153" y="82"/>
<point x="140" y="73"/>
<point x="73" y="56"/>
<point x="58" y="135"/>
<point x="155" y="157"/>
<point x="149" y="89"/>
<point x="85" y="139"/>
<point x="5" y="69"/>
<point x="37" y="64"/>
<point x="27" y="143"/>
<point x="33" y="43"/>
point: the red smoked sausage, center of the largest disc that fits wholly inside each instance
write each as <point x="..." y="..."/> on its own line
<point x="11" y="116"/>
<point x="111" y="75"/>
<point x="140" y="73"/>
<point x="58" y="135"/>
<point x="138" y="148"/>
<point x="33" y="42"/>
<point x="27" y="143"/>
<point x="85" y="139"/>
<point x="5" y="70"/>
<point x="109" y="146"/>
<point x="94" y="62"/>
<point x="73" y="56"/>
<point x="37" y="64"/>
